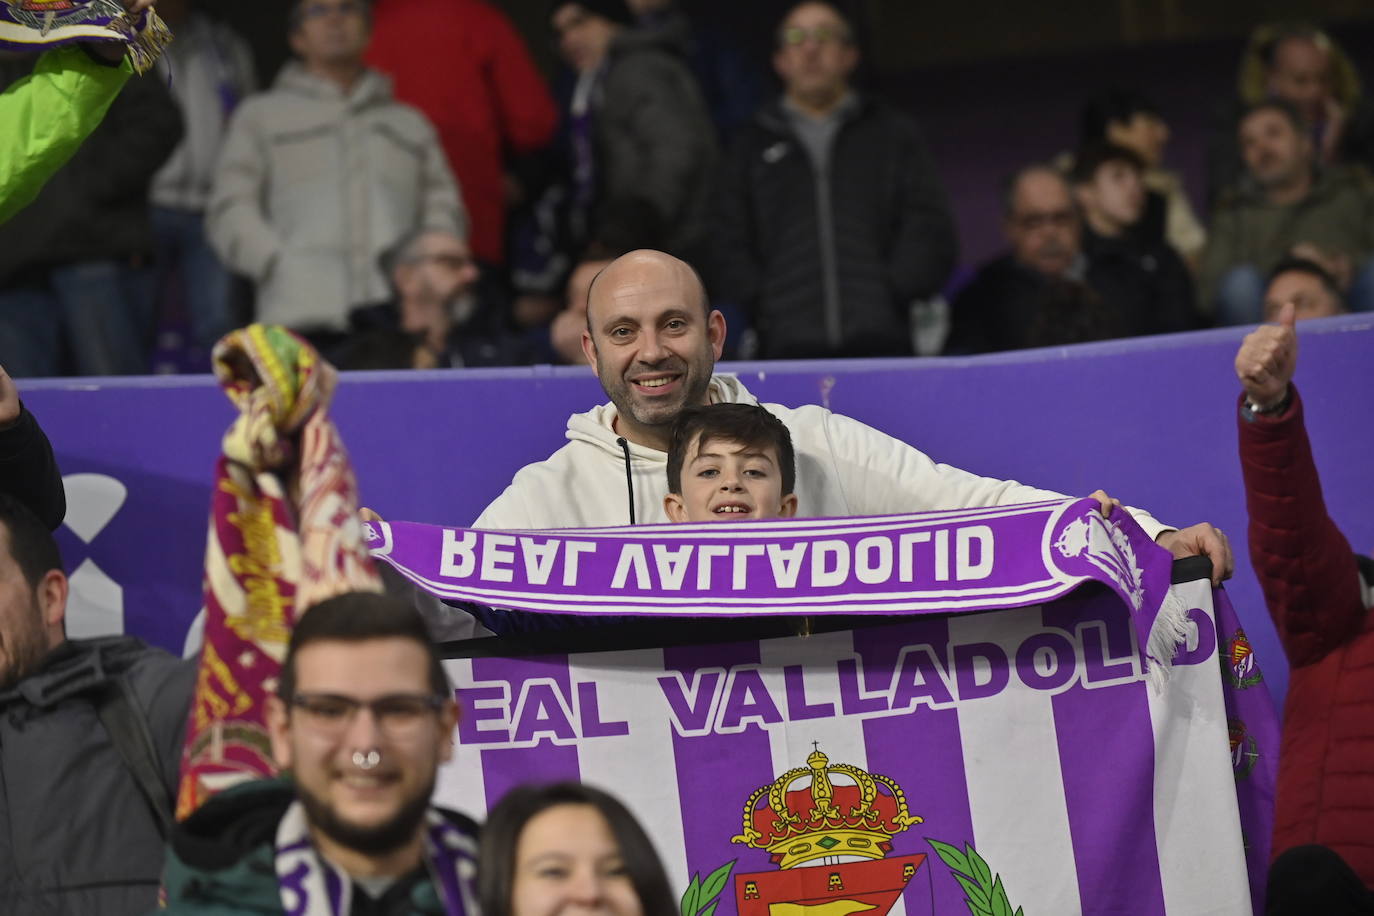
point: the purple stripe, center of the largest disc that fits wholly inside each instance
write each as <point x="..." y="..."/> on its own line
<point x="505" y="768"/>
<point x="1110" y="799"/>
<point x="717" y="773"/>
<point x="922" y="752"/>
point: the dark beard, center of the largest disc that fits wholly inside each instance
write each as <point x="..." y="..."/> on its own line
<point x="384" y="838"/>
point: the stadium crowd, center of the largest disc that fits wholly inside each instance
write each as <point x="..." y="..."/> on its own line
<point x="411" y="192"/>
<point x="403" y="208"/>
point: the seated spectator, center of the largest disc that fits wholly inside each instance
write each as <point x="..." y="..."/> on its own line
<point x="566" y="848"/>
<point x="322" y="174"/>
<point x="1287" y="205"/>
<point x="209" y="68"/>
<point x="1301" y="65"/>
<point x="1127" y="119"/>
<point x="90" y="741"/>
<point x="363" y="717"/>
<point x="1142" y="279"/>
<point x="1306" y="284"/>
<point x="1319" y="594"/>
<point x="73" y="263"/>
<point x="1038" y="293"/>
<point x="831" y="215"/>
<point x="433" y="320"/>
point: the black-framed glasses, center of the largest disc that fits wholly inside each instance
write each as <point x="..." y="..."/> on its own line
<point x="398" y="715"/>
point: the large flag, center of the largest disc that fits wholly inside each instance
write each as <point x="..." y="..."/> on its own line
<point x="1020" y="741"/>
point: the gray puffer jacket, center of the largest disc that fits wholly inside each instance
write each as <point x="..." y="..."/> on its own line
<point x="76" y="835"/>
<point x="315" y="183"/>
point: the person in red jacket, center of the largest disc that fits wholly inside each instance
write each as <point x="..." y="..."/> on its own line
<point x="462" y="63"/>
<point x="1320" y="602"/>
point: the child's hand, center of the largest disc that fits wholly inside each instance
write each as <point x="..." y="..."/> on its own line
<point x="1106" y="502"/>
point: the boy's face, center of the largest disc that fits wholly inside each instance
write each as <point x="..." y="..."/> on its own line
<point x="724" y="480"/>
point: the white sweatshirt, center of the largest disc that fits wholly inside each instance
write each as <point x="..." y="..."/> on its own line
<point x="844" y="468"/>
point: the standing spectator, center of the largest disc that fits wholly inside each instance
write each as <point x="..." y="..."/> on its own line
<point x="210" y="70"/>
<point x="90" y="738"/>
<point x="1287" y="206"/>
<point x="731" y="83"/>
<point x="636" y="128"/>
<point x="1141" y="278"/>
<point x="72" y="263"/>
<point x="832" y="219"/>
<point x="1300" y="65"/>
<point x="462" y="63"/>
<point x="322" y="174"/>
<point x="1319" y="593"/>
<point x="1125" y="118"/>
<point x="1038" y="293"/>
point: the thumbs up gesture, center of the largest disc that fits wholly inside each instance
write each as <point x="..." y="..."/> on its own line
<point x="1267" y="359"/>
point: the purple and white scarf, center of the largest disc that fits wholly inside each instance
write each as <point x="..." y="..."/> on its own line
<point x="312" y="886"/>
<point x="923" y="563"/>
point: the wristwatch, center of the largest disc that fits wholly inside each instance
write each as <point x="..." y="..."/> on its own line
<point x="1249" y="410"/>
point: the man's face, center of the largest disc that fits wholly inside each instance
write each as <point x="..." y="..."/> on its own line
<point x="1115" y="195"/>
<point x="1302" y="75"/>
<point x="650" y="341"/>
<point x="724" y="480"/>
<point x="1309" y="295"/>
<point x="1274" y="151"/>
<point x="583" y="38"/>
<point x="1144" y="134"/>
<point x="371" y="810"/>
<point x="439" y="270"/>
<point x="815" y="55"/>
<point x="23" y="633"/>
<point x="568" y="863"/>
<point x="331" y="32"/>
<point x="1043" y="225"/>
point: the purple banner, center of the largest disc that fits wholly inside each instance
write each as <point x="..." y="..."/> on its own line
<point x="1019" y="756"/>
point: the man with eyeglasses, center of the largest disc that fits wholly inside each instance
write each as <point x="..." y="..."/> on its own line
<point x="832" y="218"/>
<point x="322" y="174"/>
<point x="434" y="320"/>
<point x="363" y="718"/>
<point x="1040" y="292"/>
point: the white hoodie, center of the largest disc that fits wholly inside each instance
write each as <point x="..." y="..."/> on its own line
<point x="844" y="468"/>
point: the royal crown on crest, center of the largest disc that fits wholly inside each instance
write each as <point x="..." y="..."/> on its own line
<point x="824" y="811"/>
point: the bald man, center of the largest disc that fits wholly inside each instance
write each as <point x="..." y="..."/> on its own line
<point x="653" y="342"/>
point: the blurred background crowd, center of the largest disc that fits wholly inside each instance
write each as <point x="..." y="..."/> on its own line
<point x="434" y="183"/>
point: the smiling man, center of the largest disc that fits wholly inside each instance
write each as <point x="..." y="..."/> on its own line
<point x="363" y="717"/>
<point x="653" y="342"/>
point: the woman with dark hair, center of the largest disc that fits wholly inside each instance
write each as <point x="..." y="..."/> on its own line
<point x="547" y="848"/>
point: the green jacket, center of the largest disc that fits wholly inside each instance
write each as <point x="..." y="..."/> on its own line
<point x="46" y="115"/>
<point x="1337" y="216"/>
<point x="221" y="860"/>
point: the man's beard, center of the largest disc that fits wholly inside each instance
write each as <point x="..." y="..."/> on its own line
<point x="25" y="650"/>
<point x="692" y="393"/>
<point x="383" y="838"/>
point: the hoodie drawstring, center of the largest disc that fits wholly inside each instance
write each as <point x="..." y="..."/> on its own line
<point x="629" y="481"/>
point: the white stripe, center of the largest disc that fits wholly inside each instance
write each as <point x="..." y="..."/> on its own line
<point x="841" y="738"/>
<point x="1015" y="784"/>
<point x="1197" y="820"/>
<point x="637" y="768"/>
<point x="460" y="784"/>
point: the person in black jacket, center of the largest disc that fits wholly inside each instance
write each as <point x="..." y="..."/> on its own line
<point x="28" y="470"/>
<point x="1140" y="277"/>
<point x="70" y="262"/>
<point x="831" y="218"/>
<point x="81" y="824"/>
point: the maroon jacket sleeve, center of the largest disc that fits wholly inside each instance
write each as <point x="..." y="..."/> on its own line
<point x="1305" y="566"/>
<point x="525" y="108"/>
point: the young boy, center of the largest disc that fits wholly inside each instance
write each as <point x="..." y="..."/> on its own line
<point x="734" y="461"/>
<point x="729" y="462"/>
